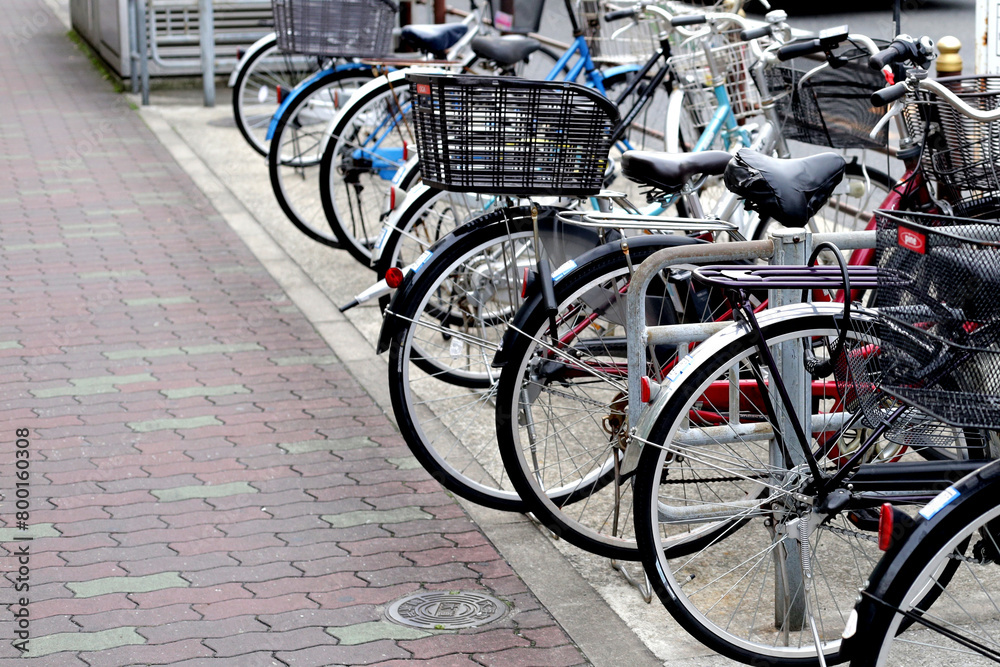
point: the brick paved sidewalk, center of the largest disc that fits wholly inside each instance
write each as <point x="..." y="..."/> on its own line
<point x="206" y="479"/>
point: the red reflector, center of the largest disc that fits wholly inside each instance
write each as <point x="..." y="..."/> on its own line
<point x="281" y="96"/>
<point x="644" y="390"/>
<point x="392" y="197"/>
<point x="394" y="277"/>
<point x="524" y="283"/>
<point x="885" y="522"/>
<point x="406" y="152"/>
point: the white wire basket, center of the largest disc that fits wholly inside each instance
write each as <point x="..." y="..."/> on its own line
<point x="691" y="73"/>
<point x="637" y="41"/>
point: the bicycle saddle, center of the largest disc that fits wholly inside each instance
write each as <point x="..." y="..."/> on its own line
<point x="434" y="38"/>
<point x="670" y="171"/>
<point x="788" y="190"/>
<point x="504" y="50"/>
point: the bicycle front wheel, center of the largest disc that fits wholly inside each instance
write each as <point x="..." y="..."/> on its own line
<point x="449" y="323"/>
<point x="370" y="142"/>
<point x="265" y="79"/>
<point x="719" y="492"/>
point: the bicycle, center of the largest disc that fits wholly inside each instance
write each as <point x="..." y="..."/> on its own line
<point x="300" y="128"/>
<point x="549" y="445"/>
<point x="429" y="212"/>
<point x="371" y="128"/>
<point x="783" y="419"/>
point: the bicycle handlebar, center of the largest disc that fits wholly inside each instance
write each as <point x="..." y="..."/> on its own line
<point x="889" y="94"/>
<point x="956" y="102"/>
<point x="688" y="19"/>
<point x="796" y="49"/>
<point x="756" y="33"/>
<point x="620" y="14"/>
<point x="892" y="54"/>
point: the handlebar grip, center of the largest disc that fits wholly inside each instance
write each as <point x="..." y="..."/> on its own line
<point x="881" y="98"/>
<point x="619" y="14"/>
<point x="688" y="19"/>
<point x="755" y="33"/>
<point x="796" y="49"/>
<point x="888" y="55"/>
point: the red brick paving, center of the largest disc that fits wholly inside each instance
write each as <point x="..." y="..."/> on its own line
<point x="95" y="218"/>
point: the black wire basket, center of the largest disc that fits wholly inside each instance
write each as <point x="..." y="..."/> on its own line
<point x="335" y="28"/>
<point x="939" y="302"/>
<point x="504" y="135"/>
<point x="960" y="154"/>
<point x="829" y="106"/>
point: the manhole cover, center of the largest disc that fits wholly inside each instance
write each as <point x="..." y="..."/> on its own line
<point x="441" y="610"/>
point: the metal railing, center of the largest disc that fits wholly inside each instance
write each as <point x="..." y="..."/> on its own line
<point x="790" y="246"/>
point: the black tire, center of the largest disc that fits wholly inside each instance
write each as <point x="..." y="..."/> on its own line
<point x="731" y="553"/>
<point x="957" y="549"/>
<point x="256" y="75"/>
<point x="436" y="389"/>
<point x="566" y="475"/>
<point x="294" y="154"/>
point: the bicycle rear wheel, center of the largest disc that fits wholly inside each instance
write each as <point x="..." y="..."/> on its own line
<point x="952" y="558"/>
<point x="297" y="145"/>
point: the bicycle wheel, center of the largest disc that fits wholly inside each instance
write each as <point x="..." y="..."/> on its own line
<point x="719" y="504"/>
<point x="370" y="142"/>
<point x="449" y="321"/>
<point x="297" y="145"/>
<point x="561" y="419"/>
<point x="951" y="558"/>
<point x="264" y="80"/>
<point x="426" y="216"/>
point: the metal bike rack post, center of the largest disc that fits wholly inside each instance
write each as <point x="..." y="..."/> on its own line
<point x="206" y="35"/>
<point x="138" y="49"/>
<point x="640" y="336"/>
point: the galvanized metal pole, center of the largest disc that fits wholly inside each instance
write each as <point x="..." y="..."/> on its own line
<point x="790" y="610"/>
<point x="141" y="29"/>
<point x="206" y="33"/>
<point x="133" y="47"/>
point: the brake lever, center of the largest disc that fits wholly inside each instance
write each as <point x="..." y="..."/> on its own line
<point x="894" y="110"/>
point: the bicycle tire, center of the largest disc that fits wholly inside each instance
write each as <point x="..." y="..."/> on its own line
<point x="296" y="148"/>
<point x="252" y="115"/>
<point x="933" y="559"/>
<point x="554" y="409"/>
<point x="434" y="387"/>
<point x="673" y="553"/>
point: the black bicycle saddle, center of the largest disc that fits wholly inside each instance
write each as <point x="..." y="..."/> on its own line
<point x="670" y="171"/>
<point x="788" y="190"/>
<point x="504" y="50"/>
<point x="433" y="38"/>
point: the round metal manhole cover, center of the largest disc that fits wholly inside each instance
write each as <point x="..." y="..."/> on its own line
<point x="442" y="610"/>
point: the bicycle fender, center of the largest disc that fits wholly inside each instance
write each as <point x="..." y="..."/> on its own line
<point x="262" y="43"/>
<point x="302" y="86"/>
<point x="412" y="286"/>
<point x="533" y="297"/>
